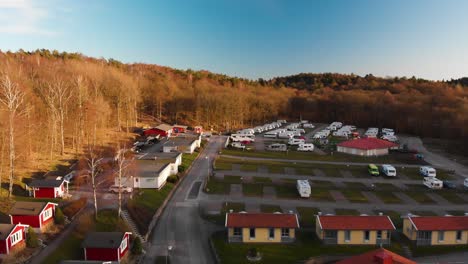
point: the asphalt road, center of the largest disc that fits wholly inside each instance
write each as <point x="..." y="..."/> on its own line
<point x="180" y="225"/>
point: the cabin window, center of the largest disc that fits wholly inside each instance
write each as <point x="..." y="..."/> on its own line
<point x="459" y="235"/>
<point x="441" y="235"/>
<point x="237" y="231"/>
<point x="252" y="233"/>
<point x="271" y="233"/>
<point x="347" y="235"/>
<point x="366" y="235"/>
<point x="123" y="245"/>
<point x="379" y="234"/>
<point x="47" y="214"/>
<point x="16" y="237"/>
<point x="285" y="232"/>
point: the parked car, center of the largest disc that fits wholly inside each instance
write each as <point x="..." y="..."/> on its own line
<point x="125" y="189"/>
<point x="449" y="184"/>
<point x="373" y="170"/>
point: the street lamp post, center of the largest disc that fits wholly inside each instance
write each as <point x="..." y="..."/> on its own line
<point x="169" y="248"/>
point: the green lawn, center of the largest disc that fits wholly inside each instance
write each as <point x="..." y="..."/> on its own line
<point x="321" y="195"/>
<point x="307" y="216"/>
<point x="346" y="212"/>
<point x="388" y="197"/>
<point x="145" y="203"/>
<point x="307" y="246"/>
<point x="451" y="196"/>
<point x="354" y="196"/>
<point x="262" y="180"/>
<point x="217" y="187"/>
<point x="287" y="191"/>
<point x="69" y="249"/>
<point x="232" y="179"/>
<point x="270" y="208"/>
<point x="252" y="189"/>
<point x="248" y="167"/>
<point x="437" y="250"/>
<point x="420" y="197"/>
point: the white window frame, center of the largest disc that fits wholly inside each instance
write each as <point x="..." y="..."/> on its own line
<point x="16" y="237"/>
<point x="47" y="214"/>
<point x="347" y="235"/>
<point x="441" y="236"/>
<point x="366" y="239"/>
<point x="123" y="245"/>
<point x="285" y="232"/>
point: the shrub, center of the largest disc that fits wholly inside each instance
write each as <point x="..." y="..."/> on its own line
<point x="31" y="238"/>
<point x="173" y="178"/>
<point x="137" y="248"/>
<point x="74" y="207"/>
<point x="182" y="168"/>
<point x="59" y="217"/>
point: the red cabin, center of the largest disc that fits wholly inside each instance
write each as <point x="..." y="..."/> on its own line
<point x="12" y="237"/>
<point x="36" y="214"/>
<point x="162" y="130"/>
<point x="106" y="246"/>
<point x="179" y="129"/>
<point x="48" y="188"/>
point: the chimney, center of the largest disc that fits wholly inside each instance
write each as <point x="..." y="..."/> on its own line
<point x="380" y="213"/>
<point x="231" y="211"/>
<point x="319" y="213"/>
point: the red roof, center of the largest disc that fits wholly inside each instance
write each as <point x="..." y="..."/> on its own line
<point x="377" y="256"/>
<point x="261" y="220"/>
<point x="429" y="223"/>
<point x="351" y="222"/>
<point x="367" y="143"/>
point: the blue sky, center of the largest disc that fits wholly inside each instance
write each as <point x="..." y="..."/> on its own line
<point x="252" y="38"/>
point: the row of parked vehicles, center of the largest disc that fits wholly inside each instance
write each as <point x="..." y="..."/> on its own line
<point x="386" y="134"/>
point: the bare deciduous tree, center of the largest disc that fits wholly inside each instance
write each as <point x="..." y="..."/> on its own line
<point x="93" y="164"/>
<point x="12" y="98"/>
<point x="122" y="165"/>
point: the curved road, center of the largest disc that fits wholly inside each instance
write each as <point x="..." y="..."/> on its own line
<point x="180" y="225"/>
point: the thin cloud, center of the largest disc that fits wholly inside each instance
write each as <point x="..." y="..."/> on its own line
<point x="23" y="17"/>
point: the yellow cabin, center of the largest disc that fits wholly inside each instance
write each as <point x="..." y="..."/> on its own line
<point x="261" y="227"/>
<point x="436" y="230"/>
<point x="354" y="230"/>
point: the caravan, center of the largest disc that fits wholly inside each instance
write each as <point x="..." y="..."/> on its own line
<point x="433" y="183"/>
<point x="388" y="170"/>
<point x="306" y="147"/>
<point x="303" y="187"/>
<point x="296" y="141"/>
<point x="277" y="147"/>
<point x="427" y="171"/>
<point x="242" y="137"/>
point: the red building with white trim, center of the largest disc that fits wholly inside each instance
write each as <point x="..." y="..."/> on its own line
<point x="378" y="256"/>
<point x="48" y="188"/>
<point x="106" y="246"/>
<point x="179" y="128"/>
<point x="36" y="214"/>
<point x="162" y="130"/>
<point x="12" y="237"/>
<point x="366" y="146"/>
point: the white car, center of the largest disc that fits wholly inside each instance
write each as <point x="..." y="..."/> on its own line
<point x="125" y="189"/>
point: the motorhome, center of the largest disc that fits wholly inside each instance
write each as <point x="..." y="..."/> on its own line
<point x="465" y="183"/>
<point x="433" y="183"/>
<point x="388" y="170"/>
<point x="282" y="121"/>
<point x="286" y="135"/>
<point x="270" y="135"/>
<point x="300" y="130"/>
<point x="296" y="141"/>
<point x="303" y="187"/>
<point x="390" y="138"/>
<point x="248" y="131"/>
<point x="242" y="137"/>
<point x="373" y="170"/>
<point x="308" y="125"/>
<point x="427" y="171"/>
<point x="306" y="147"/>
<point x="277" y="147"/>
<point x="339" y="133"/>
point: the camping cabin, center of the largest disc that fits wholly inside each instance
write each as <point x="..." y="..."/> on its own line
<point x="38" y="215"/>
<point x="106" y="246"/>
<point x="12" y="237"/>
<point x="48" y="188"/>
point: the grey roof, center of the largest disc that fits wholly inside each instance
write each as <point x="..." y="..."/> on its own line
<point x="27" y="208"/>
<point x="164" y="127"/>
<point x="160" y="156"/>
<point x="150" y="168"/>
<point x="5" y="230"/>
<point x="184" y="127"/>
<point x="180" y="141"/>
<point x="103" y="240"/>
<point x="46" y="183"/>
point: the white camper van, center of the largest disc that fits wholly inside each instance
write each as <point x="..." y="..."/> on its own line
<point x="433" y="183"/>
<point x="388" y="170"/>
<point x="306" y="147"/>
<point x="287" y="135"/>
<point x="296" y="141"/>
<point x="427" y="171"/>
<point x="303" y="187"/>
<point x="277" y="147"/>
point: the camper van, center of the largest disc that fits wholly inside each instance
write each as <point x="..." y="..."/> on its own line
<point x="270" y="135"/>
<point x="277" y="147"/>
<point x="303" y="187"/>
<point x="305" y="147"/>
<point x="296" y="141"/>
<point x="427" y="171"/>
<point x="433" y="183"/>
<point x="373" y="170"/>
<point x="465" y="183"/>
<point x="388" y="170"/>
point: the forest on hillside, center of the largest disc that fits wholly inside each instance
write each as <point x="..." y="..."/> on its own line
<point x="65" y="101"/>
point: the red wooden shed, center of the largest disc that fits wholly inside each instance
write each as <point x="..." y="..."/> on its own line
<point x="162" y="130"/>
<point x="48" y="188"/>
<point x="36" y="214"/>
<point x="12" y="237"/>
<point x="179" y="128"/>
<point x="106" y="246"/>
